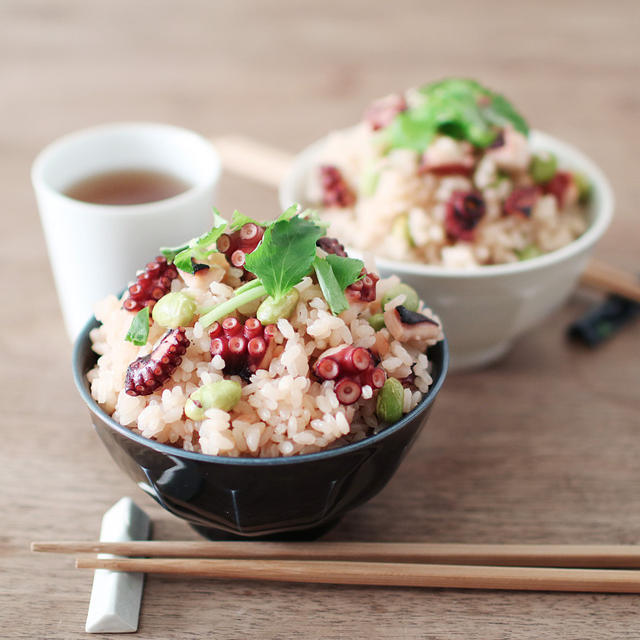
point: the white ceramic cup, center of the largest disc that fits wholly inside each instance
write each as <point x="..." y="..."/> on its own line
<point x="483" y="310"/>
<point x="97" y="249"/>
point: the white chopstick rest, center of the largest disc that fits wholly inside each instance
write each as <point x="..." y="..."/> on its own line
<point x="116" y="596"/>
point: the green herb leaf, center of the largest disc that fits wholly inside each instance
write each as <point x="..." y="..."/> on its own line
<point x="346" y="270"/>
<point x="183" y="261"/>
<point x="208" y="238"/>
<point x="239" y="219"/>
<point x="331" y="290"/>
<point x="170" y="253"/>
<point x="290" y="212"/>
<point x="411" y="130"/>
<point x="205" y="240"/>
<point x="285" y="254"/>
<point x="139" y="330"/>
<point x="501" y="112"/>
<point x="314" y="216"/>
<point x="456" y="107"/>
<point x="335" y="274"/>
<point x="198" y="248"/>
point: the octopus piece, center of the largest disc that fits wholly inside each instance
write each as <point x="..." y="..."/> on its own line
<point x="464" y="210"/>
<point x="150" y="372"/>
<point x="151" y="284"/>
<point x="332" y="245"/>
<point x="381" y="113"/>
<point x="245" y="348"/>
<point x="410" y="326"/>
<point x="348" y="391"/>
<point x="336" y="192"/>
<point x="521" y="201"/>
<point x="564" y="188"/>
<point x="235" y="246"/>
<point x="363" y="290"/>
<point x="351" y="368"/>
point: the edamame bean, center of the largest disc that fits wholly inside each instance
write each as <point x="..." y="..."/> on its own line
<point x="377" y="321"/>
<point x="583" y="185"/>
<point x="530" y="251"/>
<point x="176" y="309"/>
<point x="223" y="394"/>
<point x="411" y="302"/>
<point x="542" y="167"/>
<point x="270" y="310"/>
<point x="390" y="401"/>
<point x="369" y="182"/>
<point x="401" y="230"/>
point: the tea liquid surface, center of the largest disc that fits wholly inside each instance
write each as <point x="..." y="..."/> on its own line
<point x="127" y="186"/>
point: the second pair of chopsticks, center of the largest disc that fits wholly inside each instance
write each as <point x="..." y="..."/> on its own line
<point x="518" y="567"/>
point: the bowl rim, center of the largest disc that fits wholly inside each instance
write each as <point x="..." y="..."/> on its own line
<point x="566" y="152"/>
<point x="79" y="377"/>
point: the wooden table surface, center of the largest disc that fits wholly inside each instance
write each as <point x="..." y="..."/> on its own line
<point x="542" y="447"/>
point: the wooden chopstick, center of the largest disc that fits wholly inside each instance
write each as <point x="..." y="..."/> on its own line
<point x="381" y="573"/>
<point x="604" y="277"/>
<point x="253" y="160"/>
<point x="541" y="555"/>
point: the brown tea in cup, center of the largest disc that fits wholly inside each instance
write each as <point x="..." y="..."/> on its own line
<point x="126" y="187"/>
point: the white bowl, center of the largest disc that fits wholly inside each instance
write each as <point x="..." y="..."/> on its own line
<point x="483" y="310"/>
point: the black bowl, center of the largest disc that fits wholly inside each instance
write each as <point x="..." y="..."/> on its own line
<point x="299" y="497"/>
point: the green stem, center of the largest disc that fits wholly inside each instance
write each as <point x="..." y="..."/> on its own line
<point x="226" y="308"/>
<point x="247" y="286"/>
<point x="256" y="282"/>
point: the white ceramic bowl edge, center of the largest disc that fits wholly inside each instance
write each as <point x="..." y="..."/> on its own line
<point x="484" y="310"/>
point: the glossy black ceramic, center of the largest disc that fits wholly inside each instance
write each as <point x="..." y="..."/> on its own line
<point x="299" y="497"/>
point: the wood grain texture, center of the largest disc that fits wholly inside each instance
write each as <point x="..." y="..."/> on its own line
<point x="540" y="448"/>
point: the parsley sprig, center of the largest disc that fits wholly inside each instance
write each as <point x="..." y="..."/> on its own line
<point x="457" y="107"/>
<point x="197" y="249"/>
<point x="138" y="332"/>
<point x="286" y="254"/>
<point x="335" y="274"/>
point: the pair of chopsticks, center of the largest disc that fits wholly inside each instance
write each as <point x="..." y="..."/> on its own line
<point x="581" y="568"/>
<point x="269" y="166"/>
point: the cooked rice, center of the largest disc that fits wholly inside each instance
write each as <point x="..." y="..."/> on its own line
<point x="284" y="410"/>
<point x="419" y="200"/>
